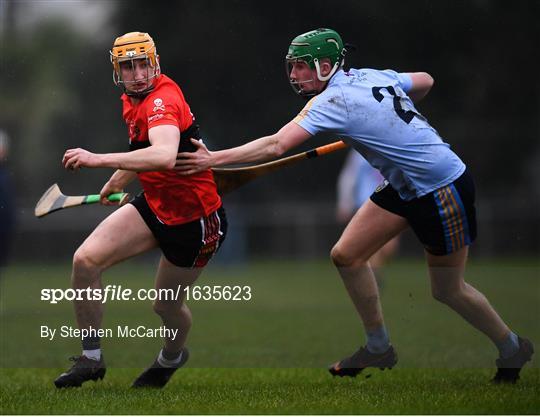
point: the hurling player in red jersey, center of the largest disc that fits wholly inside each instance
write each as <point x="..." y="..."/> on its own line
<point x="182" y="215"/>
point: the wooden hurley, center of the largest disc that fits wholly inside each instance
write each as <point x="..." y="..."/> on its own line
<point x="53" y="200"/>
<point x="229" y="179"/>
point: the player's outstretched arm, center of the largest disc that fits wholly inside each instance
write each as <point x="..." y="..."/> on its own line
<point x="161" y="155"/>
<point x="262" y="149"/>
<point x="421" y="84"/>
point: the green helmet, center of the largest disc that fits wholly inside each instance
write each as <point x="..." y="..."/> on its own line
<point x="314" y="45"/>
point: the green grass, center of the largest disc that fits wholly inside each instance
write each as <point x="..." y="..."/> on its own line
<point x="275" y="391"/>
<point x="268" y="355"/>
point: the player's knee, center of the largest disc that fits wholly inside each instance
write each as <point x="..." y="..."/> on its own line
<point x="343" y="258"/>
<point x="338" y="256"/>
<point x="83" y="261"/>
<point x="166" y="309"/>
<point x="160" y="308"/>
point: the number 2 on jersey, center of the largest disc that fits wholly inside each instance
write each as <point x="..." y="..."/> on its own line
<point x="405" y="115"/>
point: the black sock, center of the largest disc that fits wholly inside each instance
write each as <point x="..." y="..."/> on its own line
<point x="169" y="355"/>
<point x="91" y="343"/>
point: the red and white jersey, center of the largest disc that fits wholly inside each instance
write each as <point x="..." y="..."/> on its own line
<point x="174" y="198"/>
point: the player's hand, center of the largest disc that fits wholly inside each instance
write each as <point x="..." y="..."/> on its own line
<point x="188" y="163"/>
<point x="77" y="158"/>
<point x="107" y="190"/>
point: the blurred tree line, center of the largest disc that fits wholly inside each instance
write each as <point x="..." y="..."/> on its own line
<point x="228" y="57"/>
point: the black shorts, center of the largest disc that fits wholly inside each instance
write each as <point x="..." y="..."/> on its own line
<point x="189" y="245"/>
<point x="443" y="220"/>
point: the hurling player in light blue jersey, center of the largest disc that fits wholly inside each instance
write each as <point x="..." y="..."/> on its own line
<point x="427" y="188"/>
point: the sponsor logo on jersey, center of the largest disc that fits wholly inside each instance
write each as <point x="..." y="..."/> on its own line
<point x="155" y="117"/>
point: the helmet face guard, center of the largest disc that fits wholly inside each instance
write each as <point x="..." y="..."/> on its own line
<point x="311" y="47"/>
<point x="299" y="87"/>
<point x="126" y="50"/>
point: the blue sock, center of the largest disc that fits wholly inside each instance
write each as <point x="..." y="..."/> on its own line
<point x="509" y="346"/>
<point x="377" y="340"/>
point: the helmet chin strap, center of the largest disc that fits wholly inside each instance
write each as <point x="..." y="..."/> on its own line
<point x="325" y="77"/>
<point x="309" y="94"/>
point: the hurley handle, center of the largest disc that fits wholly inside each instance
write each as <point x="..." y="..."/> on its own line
<point x="331" y="147"/>
<point x="94" y="198"/>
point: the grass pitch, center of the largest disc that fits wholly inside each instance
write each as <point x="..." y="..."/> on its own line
<point x="268" y="355"/>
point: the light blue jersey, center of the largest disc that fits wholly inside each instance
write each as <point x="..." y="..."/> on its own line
<point x="371" y="111"/>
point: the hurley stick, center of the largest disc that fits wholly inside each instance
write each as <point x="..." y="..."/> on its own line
<point x="229" y="179"/>
<point x="53" y="200"/>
